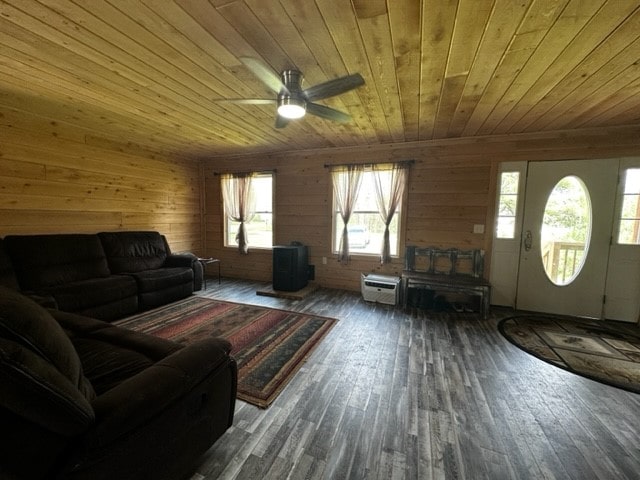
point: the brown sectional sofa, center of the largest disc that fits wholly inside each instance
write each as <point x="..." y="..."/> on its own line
<point x="108" y="275"/>
<point x="82" y="399"/>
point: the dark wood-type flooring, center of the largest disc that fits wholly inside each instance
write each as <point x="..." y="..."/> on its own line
<point x="395" y="395"/>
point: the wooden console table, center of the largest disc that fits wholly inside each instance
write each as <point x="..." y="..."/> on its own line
<point x="446" y="270"/>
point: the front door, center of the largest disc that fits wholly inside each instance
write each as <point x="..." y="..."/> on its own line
<point x="568" y="217"/>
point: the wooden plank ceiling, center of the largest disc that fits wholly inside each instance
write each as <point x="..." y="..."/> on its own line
<point x="149" y="72"/>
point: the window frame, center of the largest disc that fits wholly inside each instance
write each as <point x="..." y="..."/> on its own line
<point x="225" y="218"/>
<point x="401" y="216"/>
<point x="624" y="169"/>
<point x="517" y="195"/>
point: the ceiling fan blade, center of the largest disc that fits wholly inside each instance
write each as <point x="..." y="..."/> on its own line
<point x="264" y="73"/>
<point x="281" y="122"/>
<point x="246" y="101"/>
<point x="333" y="87"/>
<point x="328" y="113"/>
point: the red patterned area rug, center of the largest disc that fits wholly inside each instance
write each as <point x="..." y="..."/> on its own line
<point x="269" y="345"/>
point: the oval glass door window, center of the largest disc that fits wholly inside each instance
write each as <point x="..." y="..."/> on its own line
<point x="566" y="230"/>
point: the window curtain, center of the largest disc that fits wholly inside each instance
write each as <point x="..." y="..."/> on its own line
<point x="390" y="182"/>
<point x="346" y="184"/>
<point x="239" y="204"/>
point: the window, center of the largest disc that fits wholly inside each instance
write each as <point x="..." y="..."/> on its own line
<point x="629" y="227"/>
<point x="566" y="230"/>
<point x="507" y="205"/>
<point x="258" y="214"/>
<point x="366" y="226"/>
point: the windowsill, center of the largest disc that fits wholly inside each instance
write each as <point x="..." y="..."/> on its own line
<point x="367" y="255"/>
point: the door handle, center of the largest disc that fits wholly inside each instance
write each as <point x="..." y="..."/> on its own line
<point x="528" y="239"/>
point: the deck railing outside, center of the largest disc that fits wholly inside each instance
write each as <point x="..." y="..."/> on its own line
<point x="561" y="260"/>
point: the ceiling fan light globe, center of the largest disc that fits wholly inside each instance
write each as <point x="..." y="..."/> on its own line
<point x="291" y="110"/>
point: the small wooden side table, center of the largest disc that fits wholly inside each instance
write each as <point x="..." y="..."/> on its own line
<point x="208" y="261"/>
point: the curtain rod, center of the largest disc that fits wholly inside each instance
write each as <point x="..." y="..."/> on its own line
<point x="245" y="173"/>
<point x="340" y="165"/>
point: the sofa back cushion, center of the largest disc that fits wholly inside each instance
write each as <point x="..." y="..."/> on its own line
<point x="7" y="275"/>
<point x="42" y="261"/>
<point x="40" y="371"/>
<point x="130" y="252"/>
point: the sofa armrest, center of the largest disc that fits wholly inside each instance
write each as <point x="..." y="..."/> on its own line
<point x="44" y="300"/>
<point x="139" y="399"/>
<point x="156" y="348"/>
<point x="187" y="259"/>
<point x="180" y="260"/>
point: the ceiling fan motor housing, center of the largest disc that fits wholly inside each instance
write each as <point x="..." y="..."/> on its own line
<point x="291" y="101"/>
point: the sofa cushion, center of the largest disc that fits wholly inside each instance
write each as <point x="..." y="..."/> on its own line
<point x="42" y="261"/>
<point x="133" y="251"/>
<point x="28" y="324"/>
<point x="162" y="278"/>
<point x="110" y="354"/>
<point x="152" y="347"/>
<point x="109" y="312"/>
<point x="79" y="296"/>
<point x="107" y="364"/>
<point x="35" y="389"/>
<point x="39" y="367"/>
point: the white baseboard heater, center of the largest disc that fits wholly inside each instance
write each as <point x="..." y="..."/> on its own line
<point x="380" y="288"/>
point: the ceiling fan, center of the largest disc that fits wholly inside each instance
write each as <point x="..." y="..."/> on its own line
<point x="291" y="100"/>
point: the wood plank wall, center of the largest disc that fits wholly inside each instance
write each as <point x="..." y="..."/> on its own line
<point x="55" y="178"/>
<point x="452" y="188"/>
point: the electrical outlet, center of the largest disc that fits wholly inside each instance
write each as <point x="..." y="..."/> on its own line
<point x="324" y="260"/>
<point x="478" y="228"/>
